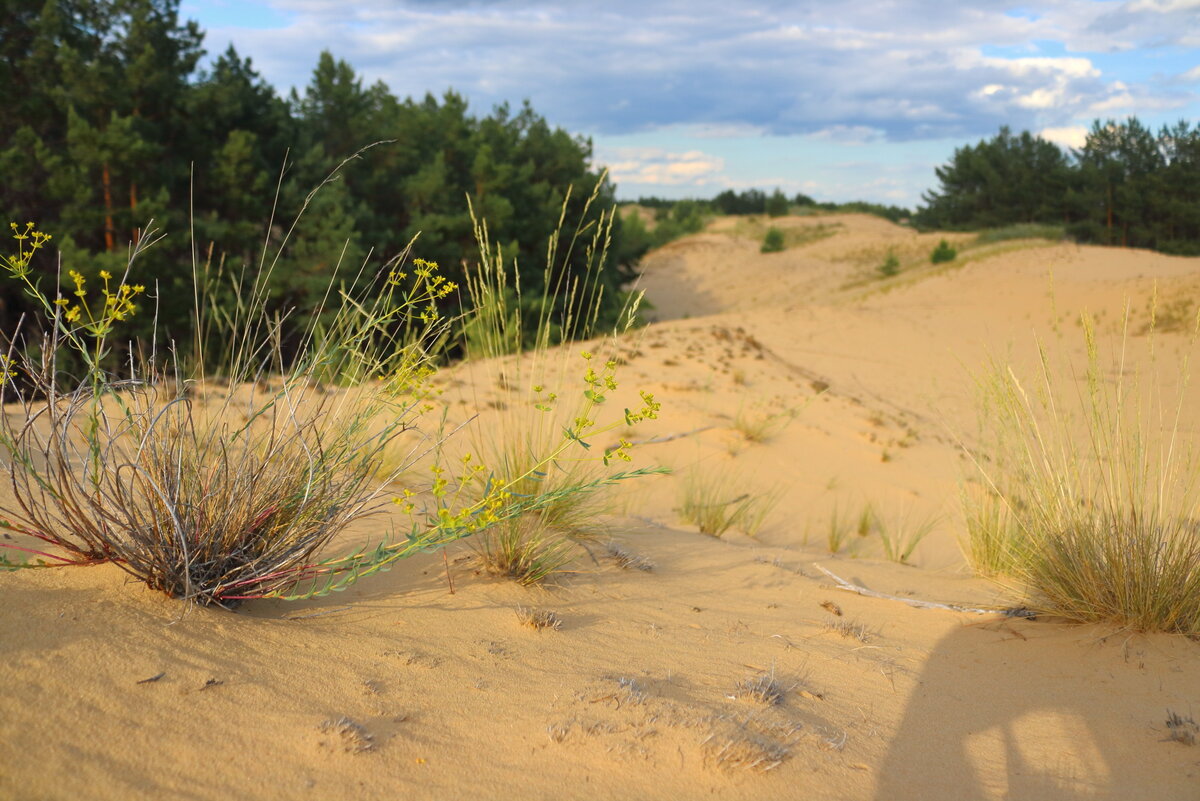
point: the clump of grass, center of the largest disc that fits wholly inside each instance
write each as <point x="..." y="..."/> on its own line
<point x="850" y="629"/>
<point x="1090" y="493"/>
<point x="839" y="527"/>
<point x="352" y="737"/>
<point x="715" y="504"/>
<point x="773" y="241"/>
<point x="943" y="253"/>
<point x="759" y="427"/>
<point x="745" y="746"/>
<point x="1181" y="729"/>
<point x="523" y="549"/>
<point x="626" y="559"/>
<point x="902" y="536"/>
<point x="539" y="619"/>
<point x="762" y="689"/>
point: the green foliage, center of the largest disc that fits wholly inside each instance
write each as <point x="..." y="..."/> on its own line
<point x="890" y="266"/>
<point x="777" y="205"/>
<point x="1054" y="233"/>
<point x="943" y="253"/>
<point x="773" y="241"/>
<point x="106" y="114"/>
<point x="1127" y="186"/>
<point x="672" y="220"/>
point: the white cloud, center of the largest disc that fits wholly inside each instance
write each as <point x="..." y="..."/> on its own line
<point x="908" y="70"/>
<point x="1068" y="136"/>
<point x="849" y="134"/>
<point x="655" y="166"/>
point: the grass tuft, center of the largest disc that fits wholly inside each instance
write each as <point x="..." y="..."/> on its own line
<point x="626" y="559"/>
<point x="539" y="619"/>
<point x="1181" y="729"/>
<point x="762" y="689"/>
<point x="353" y="738"/>
<point x="1090" y="492"/>
<point x="715" y="504"/>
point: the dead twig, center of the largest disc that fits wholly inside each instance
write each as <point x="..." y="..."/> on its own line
<point x="842" y="584"/>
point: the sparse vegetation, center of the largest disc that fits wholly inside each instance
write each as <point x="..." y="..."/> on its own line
<point x="562" y="486"/>
<point x="850" y="629"/>
<point x="748" y="745"/>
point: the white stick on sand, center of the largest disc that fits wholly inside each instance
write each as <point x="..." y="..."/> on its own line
<point x="849" y="587"/>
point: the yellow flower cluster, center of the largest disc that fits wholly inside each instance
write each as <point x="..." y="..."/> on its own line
<point x="29" y="241"/>
<point x="117" y="306"/>
<point x="427" y="288"/>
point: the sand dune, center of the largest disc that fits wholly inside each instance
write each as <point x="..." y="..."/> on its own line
<point x="637" y="694"/>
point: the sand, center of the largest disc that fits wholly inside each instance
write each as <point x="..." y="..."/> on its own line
<point x="636" y="694"/>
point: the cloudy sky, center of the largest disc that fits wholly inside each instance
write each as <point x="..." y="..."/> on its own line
<point x="842" y="102"/>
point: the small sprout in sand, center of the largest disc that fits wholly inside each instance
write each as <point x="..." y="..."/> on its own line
<point x="539" y="619"/>
<point x="354" y="738"/>
<point x="1181" y="729"/>
<point x="626" y="559"/>
<point x="763" y="689"/>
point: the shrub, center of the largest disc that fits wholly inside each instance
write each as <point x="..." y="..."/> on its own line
<point x="943" y="253"/>
<point x="890" y="266"/>
<point x="773" y="241"/>
<point x="1089" y="495"/>
<point x="211" y="492"/>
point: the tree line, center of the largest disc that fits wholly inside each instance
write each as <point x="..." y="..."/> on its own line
<point x="110" y="122"/>
<point x="1126" y="186"/>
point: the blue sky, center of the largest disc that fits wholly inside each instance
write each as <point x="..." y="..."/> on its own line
<point x="687" y="98"/>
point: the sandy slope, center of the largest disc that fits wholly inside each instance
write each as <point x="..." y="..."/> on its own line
<point x="631" y="698"/>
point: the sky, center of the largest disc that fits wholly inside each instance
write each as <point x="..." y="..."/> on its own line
<point x="687" y="98"/>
